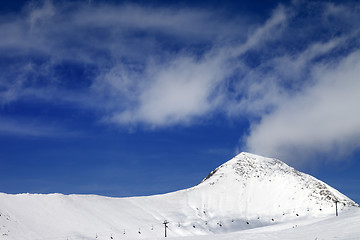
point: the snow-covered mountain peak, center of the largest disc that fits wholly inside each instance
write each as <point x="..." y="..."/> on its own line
<point x="248" y="165"/>
<point x="257" y="178"/>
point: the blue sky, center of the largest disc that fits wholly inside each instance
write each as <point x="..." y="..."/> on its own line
<point x="125" y="98"/>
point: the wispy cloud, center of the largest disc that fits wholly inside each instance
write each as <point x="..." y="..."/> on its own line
<point x="181" y="88"/>
<point x="32" y="128"/>
<point x="322" y="118"/>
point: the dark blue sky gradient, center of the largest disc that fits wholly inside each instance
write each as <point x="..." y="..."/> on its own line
<point x="62" y="88"/>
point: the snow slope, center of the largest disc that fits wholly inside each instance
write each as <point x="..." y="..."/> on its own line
<point x="247" y="192"/>
<point x="344" y="227"/>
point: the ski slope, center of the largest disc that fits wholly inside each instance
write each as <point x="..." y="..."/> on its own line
<point x="249" y="197"/>
<point x="344" y="227"/>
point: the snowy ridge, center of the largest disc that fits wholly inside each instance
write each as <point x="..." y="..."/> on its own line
<point x="247" y="192"/>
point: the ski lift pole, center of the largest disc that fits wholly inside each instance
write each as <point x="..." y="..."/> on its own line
<point x="165" y="223"/>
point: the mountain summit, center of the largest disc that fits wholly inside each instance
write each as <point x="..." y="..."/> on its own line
<point x="260" y="185"/>
<point x="249" y="191"/>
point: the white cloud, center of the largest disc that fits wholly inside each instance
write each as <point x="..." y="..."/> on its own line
<point x="177" y="92"/>
<point x="185" y="87"/>
<point x="270" y="30"/>
<point x="322" y="118"/>
<point x="126" y="47"/>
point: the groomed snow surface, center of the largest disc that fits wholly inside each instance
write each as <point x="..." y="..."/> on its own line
<point x="248" y="197"/>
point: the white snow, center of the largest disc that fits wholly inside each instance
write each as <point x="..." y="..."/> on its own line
<point x="248" y="197"/>
<point x="345" y="226"/>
